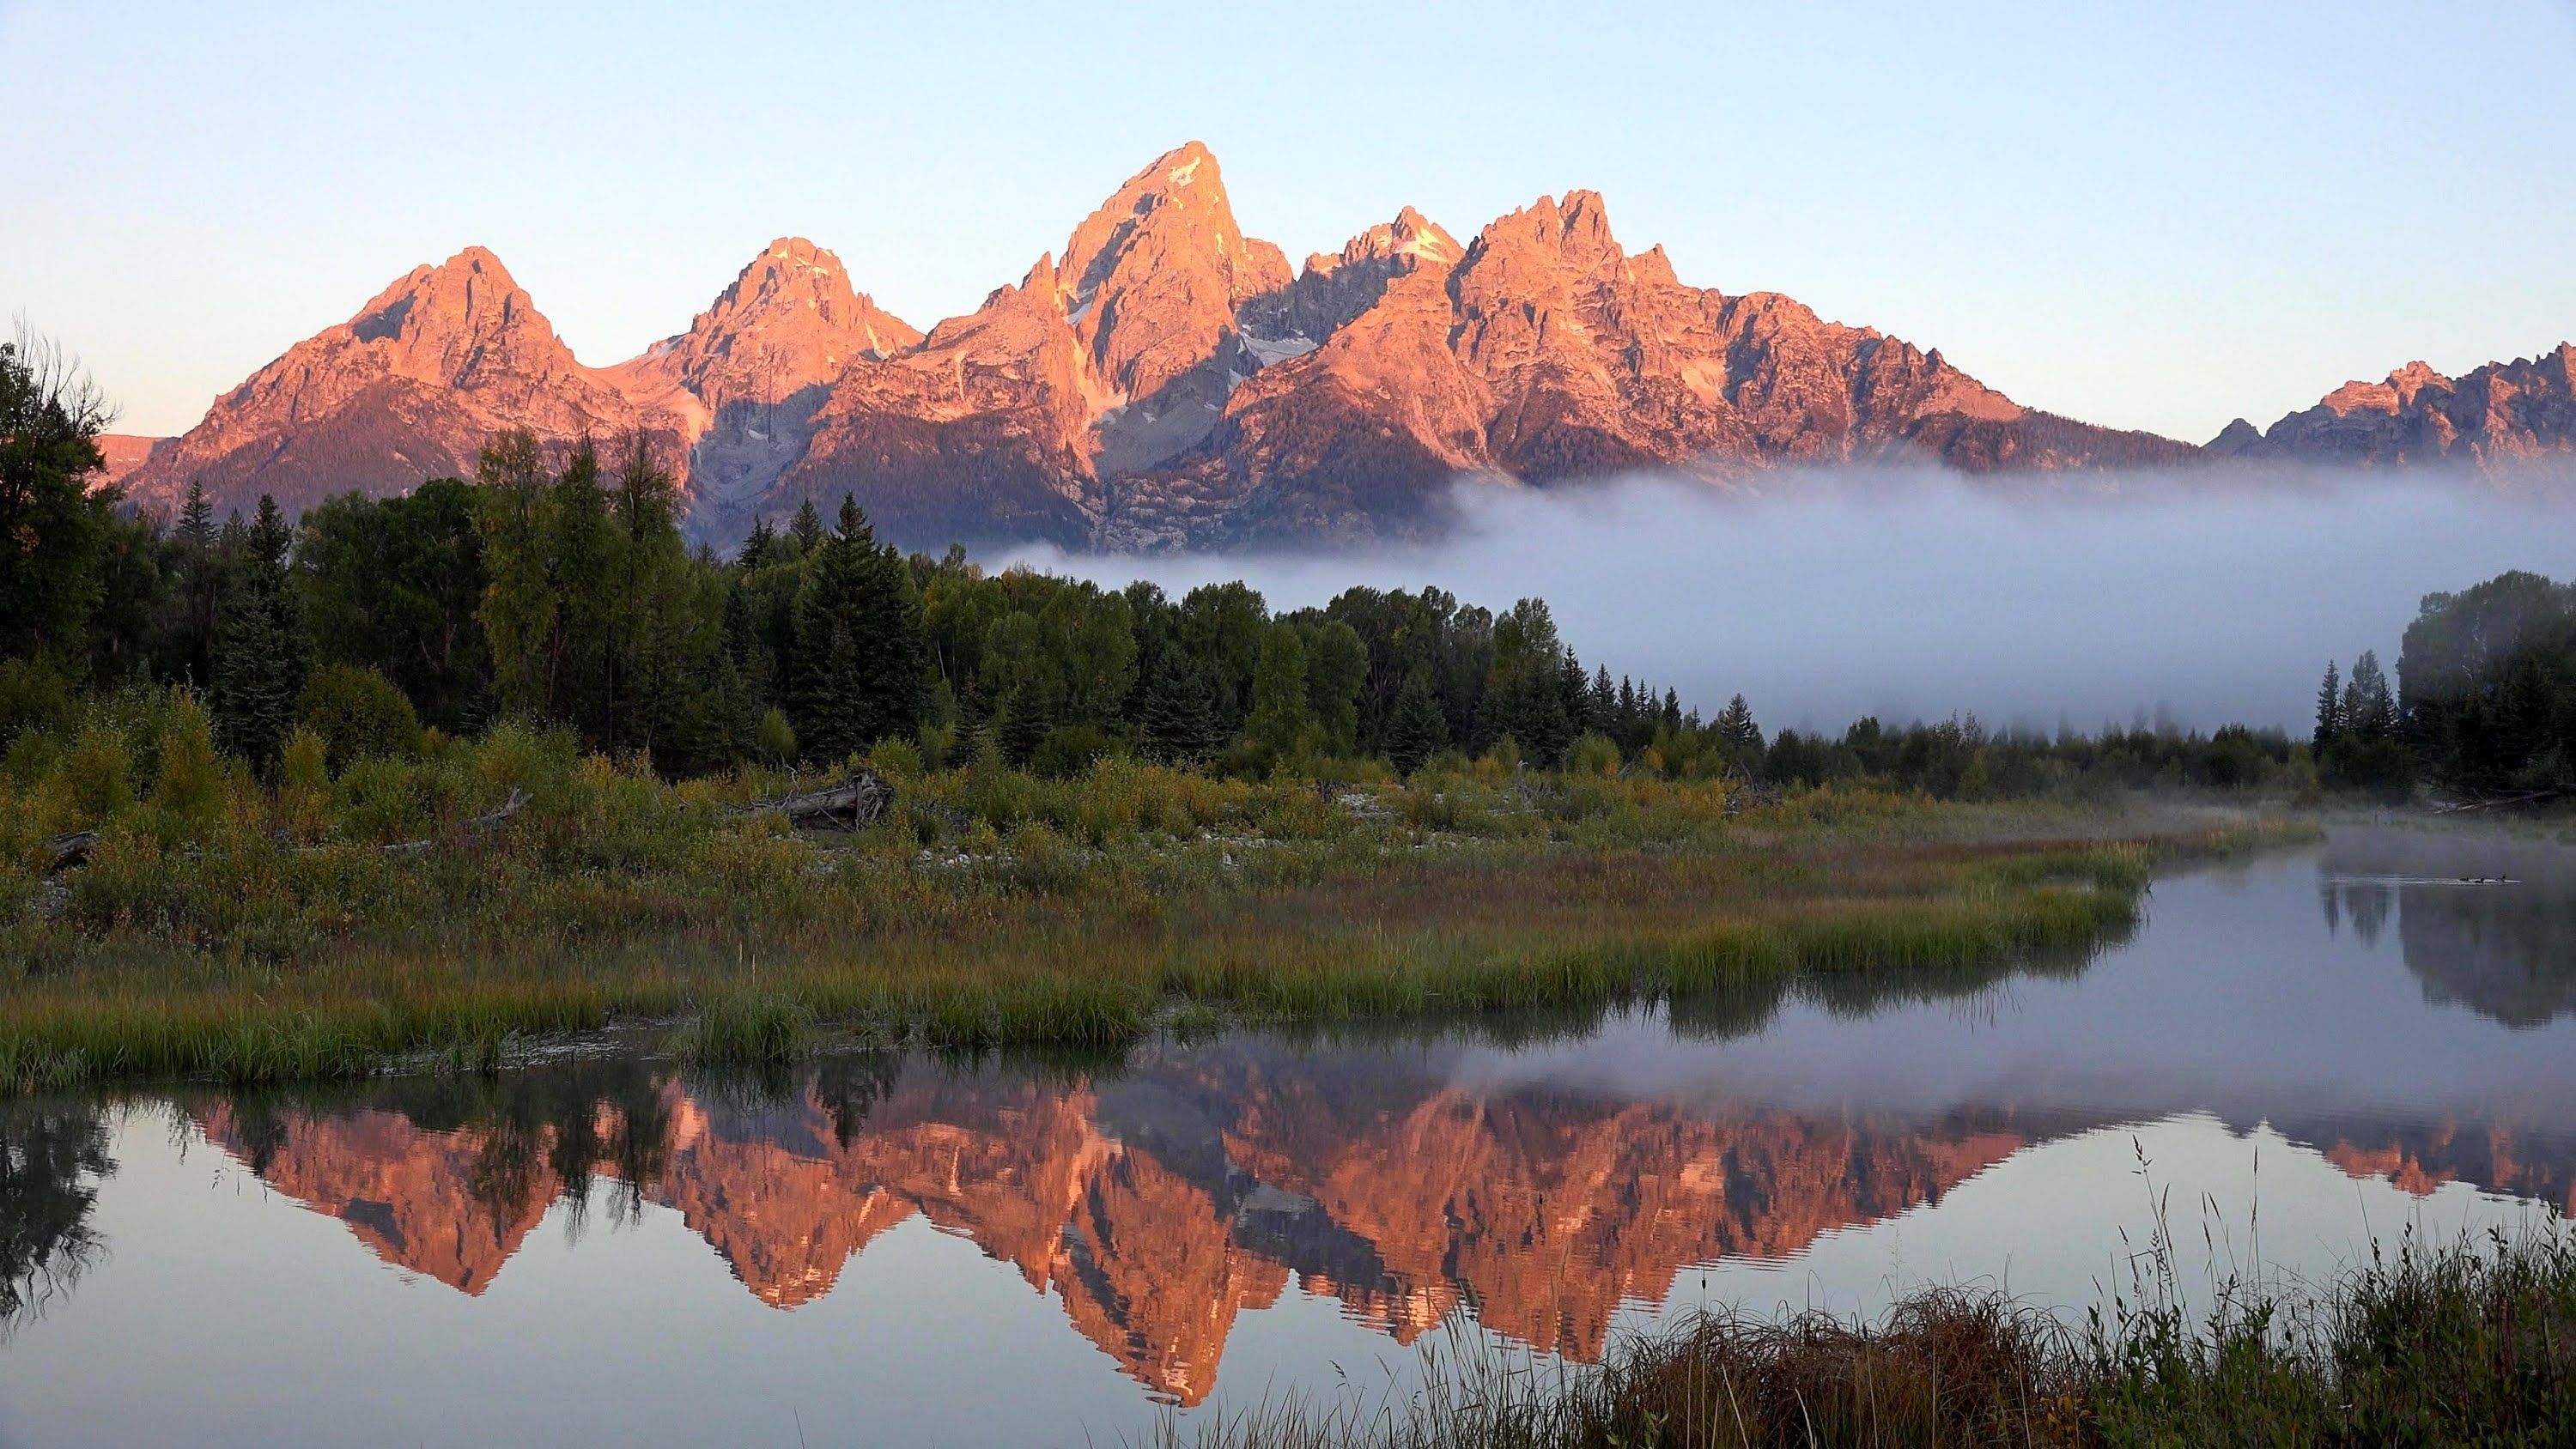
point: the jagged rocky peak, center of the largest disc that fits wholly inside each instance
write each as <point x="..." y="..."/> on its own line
<point x="1412" y="238"/>
<point x="2398" y="392"/>
<point x="790" y="320"/>
<point x="441" y="322"/>
<point x="406" y="389"/>
<point x="1336" y="287"/>
<point x="1153" y="277"/>
<point x="2501" y="413"/>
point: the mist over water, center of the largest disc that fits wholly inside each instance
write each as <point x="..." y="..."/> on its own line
<point x="2207" y="597"/>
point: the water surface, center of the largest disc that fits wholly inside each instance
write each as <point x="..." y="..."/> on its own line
<point x="2294" y="1056"/>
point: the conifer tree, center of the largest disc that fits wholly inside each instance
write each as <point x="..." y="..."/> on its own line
<point x="2369" y="711"/>
<point x="807" y="529"/>
<point x="259" y="645"/>
<point x="200" y="570"/>
<point x="862" y="652"/>
<point x="1417" y="730"/>
<point x="1175" y="709"/>
<point x="1574" y="687"/>
<point x="1735" y="726"/>
<point x="2330" y="719"/>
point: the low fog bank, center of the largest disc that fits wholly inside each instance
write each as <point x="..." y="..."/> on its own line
<point x="2202" y="598"/>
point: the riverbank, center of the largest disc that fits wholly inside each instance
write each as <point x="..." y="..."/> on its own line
<point x="270" y="934"/>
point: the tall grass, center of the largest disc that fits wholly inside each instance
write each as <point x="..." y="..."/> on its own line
<point x="2461" y="1343"/>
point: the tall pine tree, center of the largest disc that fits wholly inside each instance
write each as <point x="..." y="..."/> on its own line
<point x="1417" y="729"/>
<point x="2330" y="721"/>
<point x="260" y="646"/>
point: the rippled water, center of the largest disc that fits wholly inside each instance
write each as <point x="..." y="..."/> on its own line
<point x="2297" y="1055"/>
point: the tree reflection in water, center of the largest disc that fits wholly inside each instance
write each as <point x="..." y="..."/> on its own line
<point x="2500" y="941"/>
<point x="52" y="1155"/>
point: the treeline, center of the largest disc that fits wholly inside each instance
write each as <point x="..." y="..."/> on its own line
<point x="2484" y="704"/>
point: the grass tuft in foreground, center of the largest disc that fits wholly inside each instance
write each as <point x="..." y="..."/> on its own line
<point x="2467" y="1343"/>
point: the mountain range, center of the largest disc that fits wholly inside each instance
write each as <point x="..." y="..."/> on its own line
<point x="1167" y="382"/>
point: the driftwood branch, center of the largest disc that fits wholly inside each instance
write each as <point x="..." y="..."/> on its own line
<point x="475" y="829"/>
<point x="861" y="799"/>
<point x="2502" y="802"/>
<point x="71" y="850"/>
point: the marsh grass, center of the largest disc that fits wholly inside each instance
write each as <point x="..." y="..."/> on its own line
<point x="996" y="909"/>
<point x="746" y="1027"/>
<point x="2466" y="1342"/>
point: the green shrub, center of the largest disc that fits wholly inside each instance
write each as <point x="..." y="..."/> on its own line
<point x="1068" y="750"/>
<point x="775" y="739"/>
<point x="358" y="712"/>
<point x="190" y="790"/>
<point x="34" y="696"/>
<point x="1592" y="755"/>
<point x="98" y="773"/>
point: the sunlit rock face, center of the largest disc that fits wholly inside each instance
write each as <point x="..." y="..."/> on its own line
<point x="1163" y="382"/>
<point x="753" y="369"/>
<point x="119" y="455"/>
<point x="2502" y="413"/>
<point x="407" y="389"/>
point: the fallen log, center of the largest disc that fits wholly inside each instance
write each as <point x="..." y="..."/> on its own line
<point x="475" y="829"/>
<point x="861" y="799"/>
<point x="2501" y="802"/>
<point x="71" y="849"/>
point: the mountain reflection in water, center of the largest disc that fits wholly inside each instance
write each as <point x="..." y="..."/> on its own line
<point x="1158" y="1201"/>
<point x="1546" y="1178"/>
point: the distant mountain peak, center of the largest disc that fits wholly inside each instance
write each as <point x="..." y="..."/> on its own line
<point x="2503" y="412"/>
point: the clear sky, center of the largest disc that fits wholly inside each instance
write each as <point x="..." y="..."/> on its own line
<point x="2149" y="215"/>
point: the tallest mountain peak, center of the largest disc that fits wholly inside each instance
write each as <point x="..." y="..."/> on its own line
<point x="1152" y="277"/>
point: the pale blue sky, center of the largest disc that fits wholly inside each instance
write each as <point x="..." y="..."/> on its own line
<point x="2150" y="215"/>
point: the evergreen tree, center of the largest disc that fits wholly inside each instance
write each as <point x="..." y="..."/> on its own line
<point x="822" y="695"/>
<point x="807" y="529"/>
<point x="862" y="653"/>
<point x="1735" y="726"/>
<point x="1417" y="730"/>
<point x="1336" y="667"/>
<point x="1574" y="687"/>
<point x="259" y="645"/>
<point x="1175" y="710"/>
<point x="200" y="576"/>
<point x="1524" y="696"/>
<point x="2370" y="712"/>
<point x="759" y="549"/>
<point x="2330" y="717"/>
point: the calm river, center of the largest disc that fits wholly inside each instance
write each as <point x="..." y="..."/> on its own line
<point x="2293" y="1055"/>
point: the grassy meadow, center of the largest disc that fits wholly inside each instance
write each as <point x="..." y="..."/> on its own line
<point x="231" y="929"/>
